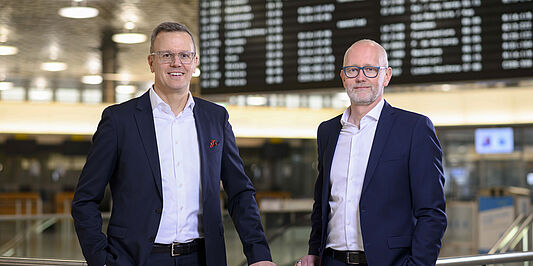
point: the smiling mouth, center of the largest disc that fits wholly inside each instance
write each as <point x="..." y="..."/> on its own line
<point x="176" y="74"/>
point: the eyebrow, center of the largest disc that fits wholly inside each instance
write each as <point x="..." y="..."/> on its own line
<point x="170" y="51"/>
<point x="362" y="66"/>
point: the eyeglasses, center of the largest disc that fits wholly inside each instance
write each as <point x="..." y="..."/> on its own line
<point x="167" y="57"/>
<point x="368" y="71"/>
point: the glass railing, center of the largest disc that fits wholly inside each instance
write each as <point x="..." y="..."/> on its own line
<point x="39" y="236"/>
<point x="51" y="240"/>
<point x="52" y="236"/>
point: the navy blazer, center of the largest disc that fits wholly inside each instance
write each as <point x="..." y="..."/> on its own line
<point x="402" y="205"/>
<point x="124" y="154"/>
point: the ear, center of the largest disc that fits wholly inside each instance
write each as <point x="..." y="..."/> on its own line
<point x="196" y="61"/>
<point x="151" y="62"/>
<point x="388" y="76"/>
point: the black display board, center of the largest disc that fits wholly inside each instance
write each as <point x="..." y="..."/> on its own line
<point x="282" y="45"/>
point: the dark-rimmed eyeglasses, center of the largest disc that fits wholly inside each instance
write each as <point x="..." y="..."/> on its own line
<point x="368" y="71"/>
<point x="167" y="57"/>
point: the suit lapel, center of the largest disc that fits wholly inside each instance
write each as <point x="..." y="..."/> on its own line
<point x="383" y="129"/>
<point x="146" y="127"/>
<point x="328" y="149"/>
<point x="331" y="144"/>
<point x="202" y="129"/>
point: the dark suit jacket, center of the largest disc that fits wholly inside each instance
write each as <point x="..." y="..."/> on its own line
<point x="402" y="201"/>
<point x="124" y="154"/>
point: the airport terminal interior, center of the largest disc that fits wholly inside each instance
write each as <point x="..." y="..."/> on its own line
<point x="275" y="66"/>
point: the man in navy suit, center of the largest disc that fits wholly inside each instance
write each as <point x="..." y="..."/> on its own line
<point x="379" y="196"/>
<point x="164" y="155"/>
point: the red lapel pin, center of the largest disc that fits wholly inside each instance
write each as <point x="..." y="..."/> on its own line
<point x="213" y="143"/>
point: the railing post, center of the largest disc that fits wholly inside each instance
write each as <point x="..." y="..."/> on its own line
<point x="28" y="207"/>
<point x="39" y="206"/>
<point x="18" y="207"/>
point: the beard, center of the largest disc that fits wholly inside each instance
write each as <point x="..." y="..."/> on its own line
<point x="365" y="97"/>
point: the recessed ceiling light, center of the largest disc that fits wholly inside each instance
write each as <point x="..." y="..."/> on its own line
<point x="8" y="50"/>
<point x="129" y="38"/>
<point x="125" y="89"/>
<point x="92" y="79"/>
<point x="78" y="12"/>
<point x="4" y="85"/>
<point x="53" y="66"/>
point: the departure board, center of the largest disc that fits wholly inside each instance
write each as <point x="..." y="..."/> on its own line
<point x="282" y="45"/>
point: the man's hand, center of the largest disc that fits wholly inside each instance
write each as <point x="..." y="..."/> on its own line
<point x="263" y="263"/>
<point x="308" y="260"/>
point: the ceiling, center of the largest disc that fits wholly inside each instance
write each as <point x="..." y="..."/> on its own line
<point x="41" y="35"/>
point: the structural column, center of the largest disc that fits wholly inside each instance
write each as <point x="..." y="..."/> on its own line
<point x="109" y="51"/>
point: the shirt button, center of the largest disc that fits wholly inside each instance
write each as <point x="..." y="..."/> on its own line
<point x="180" y="185"/>
<point x="178" y="164"/>
<point x="176" y="142"/>
<point x="181" y="208"/>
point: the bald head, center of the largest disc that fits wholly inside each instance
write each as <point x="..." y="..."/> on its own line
<point x="382" y="54"/>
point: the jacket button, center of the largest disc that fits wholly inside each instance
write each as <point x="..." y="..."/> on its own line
<point x="158" y="211"/>
<point x="151" y="239"/>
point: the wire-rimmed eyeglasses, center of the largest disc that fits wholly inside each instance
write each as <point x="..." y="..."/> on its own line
<point x="167" y="57"/>
<point x="368" y="71"/>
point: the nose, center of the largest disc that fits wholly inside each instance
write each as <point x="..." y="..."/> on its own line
<point x="175" y="61"/>
<point x="361" y="77"/>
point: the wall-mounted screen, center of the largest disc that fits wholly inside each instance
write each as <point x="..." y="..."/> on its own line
<point x="494" y="140"/>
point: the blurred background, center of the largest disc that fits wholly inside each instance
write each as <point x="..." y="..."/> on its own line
<point x="274" y="64"/>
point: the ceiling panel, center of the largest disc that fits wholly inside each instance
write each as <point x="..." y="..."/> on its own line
<point x="40" y="34"/>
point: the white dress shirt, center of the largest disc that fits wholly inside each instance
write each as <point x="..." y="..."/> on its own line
<point x="179" y="158"/>
<point x="347" y="175"/>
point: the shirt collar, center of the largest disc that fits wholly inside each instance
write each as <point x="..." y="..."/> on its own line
<point x="374" y="113"/>
<point x="156" y="101"/>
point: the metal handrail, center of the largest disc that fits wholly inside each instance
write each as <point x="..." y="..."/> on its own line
<point x="451" y="261"/>
<point x="24" y="217"/>
<point x="487" y="259"/>
<point x="32" y="261"/>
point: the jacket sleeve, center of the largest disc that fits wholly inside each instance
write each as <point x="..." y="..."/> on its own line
<point x="90" y="190"/>
<point x="316" y="216"/>
<point x="241" y="200"/>
<point x="427" y="193"/>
